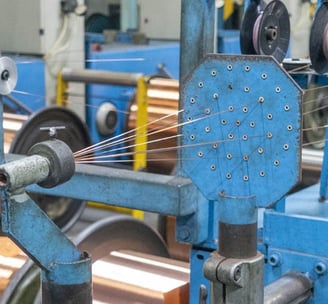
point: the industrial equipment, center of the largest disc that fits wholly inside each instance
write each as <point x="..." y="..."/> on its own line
<point x="239" y="146"/>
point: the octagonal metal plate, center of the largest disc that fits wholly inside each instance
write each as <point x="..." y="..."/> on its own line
<point x="241" y="127"/>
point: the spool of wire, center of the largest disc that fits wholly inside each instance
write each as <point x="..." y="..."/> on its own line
<point x="319" y="40"/>
<point x="270" y="30"/>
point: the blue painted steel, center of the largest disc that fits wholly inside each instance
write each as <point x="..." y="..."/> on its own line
<point x="30" y="88"/>
<point x="324" y="171"/>
<point x="237" y="210"/>
<point x="242" y="128"/>
<point x="197" y="279"/>
<point x="76" y="272"/>
<point x="36" y="234"/>
<point x="171" y="195"/>
<point x="197" y="33"/>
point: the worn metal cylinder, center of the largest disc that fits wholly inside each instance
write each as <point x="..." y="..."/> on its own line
<point x="100" y="77"/>
<point x="23" y="172"/>
<point x="293" y="287"/>
<point x="237" y="227"/>
<point x="61" y="161"/>
<point x="50" y="163"/>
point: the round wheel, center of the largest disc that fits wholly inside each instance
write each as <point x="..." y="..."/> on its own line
<point x="120" y="232"/>
<point x="319" y="40"/>
<point x="270" y="30"/>
<point x="63" y="211"/>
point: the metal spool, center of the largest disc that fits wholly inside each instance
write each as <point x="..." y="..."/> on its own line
<point x="163" y="96"/>
<point x="265" y="31"/>
<point x="99" y="239"/>
<point x="319" y="40"/>
<point x="63" y="211"/>
<point x="8" y="75"/>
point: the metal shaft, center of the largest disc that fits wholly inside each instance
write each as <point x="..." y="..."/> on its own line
<point x="100" y="77"/>
<point x="293" y="287"/>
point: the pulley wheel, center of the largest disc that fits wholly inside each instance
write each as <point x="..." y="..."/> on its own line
<point x="116" y="233"/>
<point x="270" y="30"/>
<point x="319" y="40"/>
<point x="63" y="211"/>
<point x="8" y="75"/>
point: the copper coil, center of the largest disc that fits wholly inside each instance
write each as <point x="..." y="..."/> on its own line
<point x="12" y="123"/>
<point x="163" y="97"/>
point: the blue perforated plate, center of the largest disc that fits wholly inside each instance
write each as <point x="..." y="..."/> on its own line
<point x="241" y="128"/>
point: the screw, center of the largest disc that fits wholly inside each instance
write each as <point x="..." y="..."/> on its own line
<point x="5" y="75"/>
<point x="237" y="274"/>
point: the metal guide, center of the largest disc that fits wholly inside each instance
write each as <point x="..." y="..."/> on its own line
<point x="241" y="128"/>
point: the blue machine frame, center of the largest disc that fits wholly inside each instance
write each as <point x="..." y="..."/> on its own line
<point x="255" y="91"/>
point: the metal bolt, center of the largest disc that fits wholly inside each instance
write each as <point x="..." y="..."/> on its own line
<point x="201" y="84"/>
<point x="207" y="129"/>
<point x="260" y="150"/>
<point x="252" y="124"/>
<point x="262" y="173"/>
<point x="228" y="175"/>
<point x="213" y="167"/>
<point x="213" y="73"/>
<point x="229" y="156"/>
<point x="245" y="109"/>
<point x="238" y="123"/>
<point x="246" y="89"/>
<point x="245" y="137"/>
<point x="230" y="108"/>
<point x="278" y="89"/>
<point x="286" y="147"/>
<point x="269" y="135"/>
<point x="223" y="121"/>
<point x="269" y="116"/>
<point x="289" y="127"/>
<point x="192" y="100"/>
<point x="230" y="136"/>
<point x="261" y="99"/>
<point x="200" y="154"/>
<point x="264" y="76"/>
<point x="229" y="67"/>
<point x="215" y="95"/>
<point x="215" y="145"/>
<point x="275" y="260"/>
<point x="184" y="234"/>
<point x="247" y="68"/>
<point x="320" y="268"/>
<point x="237" y="274"/>
<point x="246" y="178"/>
<point x="276" y="163"/>
<point x="192" y="137"/>
<point x="287" y="107"/>
<point x="207" y="111"/>
<point x="246" y="158"/>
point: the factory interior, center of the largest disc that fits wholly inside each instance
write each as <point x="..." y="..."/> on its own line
<point x="164" y="152"/>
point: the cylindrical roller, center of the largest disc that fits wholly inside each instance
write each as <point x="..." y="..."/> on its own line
<point x="293" y="287"/>
<point x="51" y="163"/>
<point x="100" y="77"/>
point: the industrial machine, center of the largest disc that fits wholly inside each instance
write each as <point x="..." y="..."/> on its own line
<point x="255" y="239"/>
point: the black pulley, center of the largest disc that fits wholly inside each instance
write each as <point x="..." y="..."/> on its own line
<point x="319" y="40"/>
<point x="266" y="31"/>
<point x="63" y="211"/>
